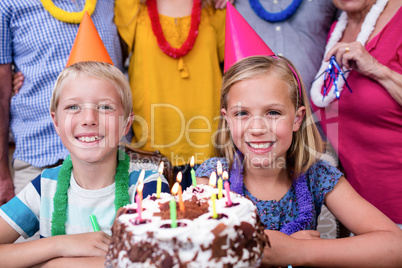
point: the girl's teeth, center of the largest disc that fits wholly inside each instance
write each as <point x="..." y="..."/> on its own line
<point x="259" y="145"/>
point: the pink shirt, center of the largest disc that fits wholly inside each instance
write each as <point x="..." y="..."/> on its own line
<point x="365" y="127"/>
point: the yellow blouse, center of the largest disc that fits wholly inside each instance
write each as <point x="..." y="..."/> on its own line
<point x="175" y="101"/>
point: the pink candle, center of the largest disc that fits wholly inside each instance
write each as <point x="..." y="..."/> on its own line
<point x="227" y="188"/>
<point x="138" y="200"/>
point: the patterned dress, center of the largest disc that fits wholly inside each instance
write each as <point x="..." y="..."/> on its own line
<point x="321" y="178"/>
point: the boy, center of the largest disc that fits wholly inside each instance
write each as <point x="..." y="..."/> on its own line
<point x="91" y="109"/>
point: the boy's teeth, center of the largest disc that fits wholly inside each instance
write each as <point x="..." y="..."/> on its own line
<point x="89" y="139"/>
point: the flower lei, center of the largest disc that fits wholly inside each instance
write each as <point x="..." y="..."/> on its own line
<point x="275" y="17"/>
<point x="69" y="17"/>
<point x="158" y="32"/>
<point x="60" y="199"/>
<point x="366" y="29"/>
<point x="303" y="196"/>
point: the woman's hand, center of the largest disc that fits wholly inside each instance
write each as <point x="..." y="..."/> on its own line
<point x="354" y="56"/>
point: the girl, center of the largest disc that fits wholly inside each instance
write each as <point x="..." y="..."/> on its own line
<point x="176" y="49"/>
<point x="269" y="142"/>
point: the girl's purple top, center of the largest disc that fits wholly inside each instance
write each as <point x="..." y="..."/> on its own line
<point x="321" y="178"/>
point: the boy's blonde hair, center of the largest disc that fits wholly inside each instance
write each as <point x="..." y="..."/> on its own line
<point x="306" y="143"/>
<point x="98" y="70"/>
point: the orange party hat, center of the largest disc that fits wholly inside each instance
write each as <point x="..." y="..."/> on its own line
<point x="241" y="40"/>
<point x="88" y="45"/>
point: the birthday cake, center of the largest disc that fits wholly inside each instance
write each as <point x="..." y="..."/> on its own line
<point x="226" y="234"/>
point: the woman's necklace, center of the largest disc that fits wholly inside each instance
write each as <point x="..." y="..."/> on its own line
<point x="69" y="17"/>
<point x="274" y="17"/>
<point x="303" y="196"/>
<point x="158" y="32"/>
<point x="60" y="199"/>
<point x="366" y="29"/>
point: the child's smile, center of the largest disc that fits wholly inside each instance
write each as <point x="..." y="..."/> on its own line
<point x="260" y="115"/>
<point x="89" y="118"/>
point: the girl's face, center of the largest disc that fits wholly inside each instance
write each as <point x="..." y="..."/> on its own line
<point x="90" y="118"/>
<point x="262" y="119"/>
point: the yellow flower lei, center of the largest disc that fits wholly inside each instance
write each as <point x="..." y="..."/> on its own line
<point x="69" y="17"/>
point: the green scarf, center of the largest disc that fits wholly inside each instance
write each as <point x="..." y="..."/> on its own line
<point x="60" y="200"/>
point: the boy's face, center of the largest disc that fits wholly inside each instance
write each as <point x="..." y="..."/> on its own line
<point x="90" y="118"/>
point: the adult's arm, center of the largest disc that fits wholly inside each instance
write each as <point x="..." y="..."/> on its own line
<point x="6" y="183"/>
<point x="361" y="61"/>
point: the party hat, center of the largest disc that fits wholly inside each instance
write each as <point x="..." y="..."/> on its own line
<point x="88" y="45"/>
<point x="241" y="40"/>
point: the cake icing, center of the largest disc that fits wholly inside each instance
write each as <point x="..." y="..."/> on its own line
<point x="235" y="239"/>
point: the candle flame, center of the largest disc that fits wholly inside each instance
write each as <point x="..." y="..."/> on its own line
<point x="140" y="187"/>
<point x="212" y="179"/>
<point x="219" y="168"/>
<point x="225" y="175"/>
<point x="161" y="166"/>
<point x="175" y="188"/>
<point x="179" y="177"/>
<point x="141" y="177"/>
<point x="192" y="161"/>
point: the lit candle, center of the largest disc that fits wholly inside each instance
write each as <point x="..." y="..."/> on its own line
<point x="159" y="181"/>
<point x="178" y="179"/>
<point x="176" y="189"/>
<point x="227" y="188"/>
<point x="138" y="199"/>
<point x="193" y="172"/>
<point x="219" y="171"/>
<point x="172" y="207"/>
<point x="212" y="182"/>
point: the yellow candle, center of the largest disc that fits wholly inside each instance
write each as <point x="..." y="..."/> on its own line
<point x="212" y="182"/>
<point x="159" y="181"/>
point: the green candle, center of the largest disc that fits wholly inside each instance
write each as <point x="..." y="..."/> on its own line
<point x="193" y="172"/>
<point x="173" y="215"/>
<point x="94" y="222"/>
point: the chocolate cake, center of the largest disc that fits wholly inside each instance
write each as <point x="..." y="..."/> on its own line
<point x="235" y="238"/>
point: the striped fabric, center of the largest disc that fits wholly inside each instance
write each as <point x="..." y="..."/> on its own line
<point x="31" y="210"/>
<point x="39" y="46"/>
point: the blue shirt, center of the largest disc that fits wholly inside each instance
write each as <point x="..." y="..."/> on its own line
<point x="31" y="210"/>
<point x="321" y="179"/>
<point x="39" y="46"/>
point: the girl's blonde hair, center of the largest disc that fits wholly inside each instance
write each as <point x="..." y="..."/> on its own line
<point x="98" y="70"/>
<point x="306" y="144"/>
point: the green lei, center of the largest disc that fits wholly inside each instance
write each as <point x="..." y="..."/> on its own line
<point x="60" y="200"/>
